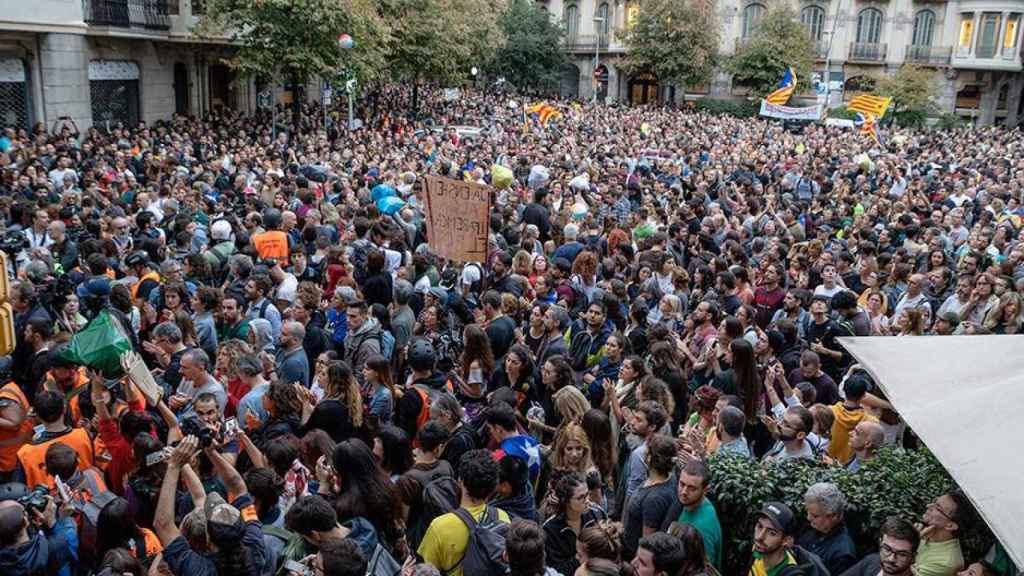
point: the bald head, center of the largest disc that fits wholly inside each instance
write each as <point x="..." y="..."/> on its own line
<point x="12" y="523"/>
<point x="868" y="435"/>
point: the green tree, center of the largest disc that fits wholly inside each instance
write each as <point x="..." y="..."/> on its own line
<point x="912" y="89"/>
<point x="532" y="56"/>
<point x="440" y="40"/>
<point x="780" y="41"/>
<point x="298" y="38"/>
<point x="677" y="40"/>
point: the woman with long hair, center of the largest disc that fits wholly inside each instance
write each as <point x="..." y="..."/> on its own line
<point x="340" y="413"/>
<point x="910" y="322"/>
<point x="1006" y="316"/>
<point x="380" y="392"/>
<point x="476" y="365"/>
<point x="116" y="528"/>
<point x="516" y="372"/>
<point x="282" y="403"/>
<point x="666" y="367"/>
<point x="623" y="393"/>
<point x="573" y="513"/>
<point x="616" y="348"/>
<point x="696" y="563"/>
<point x="603" y="445"/>
<point x="877" y="308"/>
<point x="393" y="450"/>
<point x="362" y="489"/>
<point x="226" y="373"/>
<point x="173" y="297"/>
<point x="555" y="377"/>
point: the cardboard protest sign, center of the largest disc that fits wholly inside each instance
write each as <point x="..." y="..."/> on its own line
<point x="140" y="375"/>
<point x="458" y="218"/>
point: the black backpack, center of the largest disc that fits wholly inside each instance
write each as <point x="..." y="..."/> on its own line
<point x="440" y="496"/>
<point x="486" y="548"/>
<point x="360" y="249"/>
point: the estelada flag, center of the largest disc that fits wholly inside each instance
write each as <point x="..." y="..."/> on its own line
<point x="786" y="87"/>
<point x="544" y="112"/>
<point x="868" y="104"/>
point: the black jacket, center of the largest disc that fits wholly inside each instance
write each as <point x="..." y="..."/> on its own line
<point x="869" y="566"/>
<point x="835" y="549"/>
<point x="560" y="540"/>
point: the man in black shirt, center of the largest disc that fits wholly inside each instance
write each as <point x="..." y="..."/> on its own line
<point x="537" y="213"/>
<point x="500" y="328"/>
<point x="821" y="338"/>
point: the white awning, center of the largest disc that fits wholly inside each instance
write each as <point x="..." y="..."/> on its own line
<point x="964" y="397"/>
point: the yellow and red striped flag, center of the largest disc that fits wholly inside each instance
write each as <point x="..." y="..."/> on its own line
<point x="786" y="88"/>
<point x="868" y="104"/>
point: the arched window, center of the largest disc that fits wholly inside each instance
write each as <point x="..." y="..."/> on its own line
<point x="751" y="14"/>
<point x="813" y="18"/>
<point x="572" y="18"/>
<point x="869" y="26"/>
<point x="924" y="27"/>
<point x="603" y="25"/>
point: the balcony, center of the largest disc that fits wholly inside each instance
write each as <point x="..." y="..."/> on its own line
<point x="867" y="52"/>
<point x="929" y="55"/>
<point x="586" y="42"/>
<point x="987" y="57"/>
<point x="148" y="14"/>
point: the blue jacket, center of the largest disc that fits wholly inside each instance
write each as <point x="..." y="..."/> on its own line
<point x="53" y="553"/>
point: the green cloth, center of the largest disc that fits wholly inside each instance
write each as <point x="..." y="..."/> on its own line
<point x="705" y="520"/>
<point x="239" y="331"/>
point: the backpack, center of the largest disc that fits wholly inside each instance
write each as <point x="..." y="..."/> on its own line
<point x="486" y="547"/>
<point x="360" y="249"/>
<point x="439" y="496"/>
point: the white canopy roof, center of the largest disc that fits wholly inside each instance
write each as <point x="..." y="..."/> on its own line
<point x="964" y="396"/>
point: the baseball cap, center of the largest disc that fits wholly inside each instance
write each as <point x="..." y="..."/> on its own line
<point x="780" y="516"/>
<point x="224" y="522"/>
<point x="96" y="287"/>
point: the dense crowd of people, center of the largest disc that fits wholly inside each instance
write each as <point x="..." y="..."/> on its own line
<point x="332" y="398"/>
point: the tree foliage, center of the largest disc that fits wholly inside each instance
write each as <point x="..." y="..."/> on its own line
<point x="675" y="39"/>
<point x="298" y="38"/>
<point x="780" y="41"/>
<point x="895" y="483"/>
<point x="912" y="88"/>
<point x="440" y="39"/>
<point x="532" y="56"/>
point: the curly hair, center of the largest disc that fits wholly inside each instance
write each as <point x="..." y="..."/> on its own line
<point x="343" y="386"/>
<point x="285" y="400"/>
<point x="228" y="354"/>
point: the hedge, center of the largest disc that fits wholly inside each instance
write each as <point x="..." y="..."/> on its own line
<point x="896" y="483"/>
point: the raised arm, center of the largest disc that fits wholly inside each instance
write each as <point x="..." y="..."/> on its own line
<point x="232" y="479"/>
<point x="163" y="522"/>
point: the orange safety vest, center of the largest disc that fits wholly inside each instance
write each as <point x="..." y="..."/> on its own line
<point x="12" y="439"/>
<point x="147" y="276"/>
<point x="272" y="244"/>
<point x="77" y="389"/>
<point x="33" y="456"/>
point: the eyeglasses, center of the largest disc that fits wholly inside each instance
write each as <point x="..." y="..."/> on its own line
<point x="935" y="505"/>
<point x="886" y="550"/>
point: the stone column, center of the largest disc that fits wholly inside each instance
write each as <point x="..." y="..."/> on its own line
<point x="64" y="68"/>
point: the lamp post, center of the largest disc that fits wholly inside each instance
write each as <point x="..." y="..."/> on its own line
<point x="345" y="42"/>
<point x="598" y="23"/>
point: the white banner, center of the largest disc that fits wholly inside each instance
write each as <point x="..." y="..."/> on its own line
<point x="790" y="113"/>
<point x="840" y="122"/>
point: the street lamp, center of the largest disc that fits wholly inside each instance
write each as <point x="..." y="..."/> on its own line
<point x="345" y="42"/>
<point x="598" y="22"/>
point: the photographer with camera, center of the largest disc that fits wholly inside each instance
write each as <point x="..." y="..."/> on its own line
<point x="35" y="536"/>
<point x="233" y="542"/>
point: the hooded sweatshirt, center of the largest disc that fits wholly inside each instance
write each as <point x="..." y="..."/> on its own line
<point x="360" y="345"/>
<point x="43" y="554"/>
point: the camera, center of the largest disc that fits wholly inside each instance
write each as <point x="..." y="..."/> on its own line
<point x="13" y="242"/>
<point x="193" y="427"/>
<point x="35" y="499"/>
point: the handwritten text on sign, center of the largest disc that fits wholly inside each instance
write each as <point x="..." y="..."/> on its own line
<point x="458" y="218"/>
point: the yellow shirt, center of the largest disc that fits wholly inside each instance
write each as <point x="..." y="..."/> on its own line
<point x="845" y="421"/>
<point x="446" y="539"/>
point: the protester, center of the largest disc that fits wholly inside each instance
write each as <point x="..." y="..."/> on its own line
<point x="649" y="298"/>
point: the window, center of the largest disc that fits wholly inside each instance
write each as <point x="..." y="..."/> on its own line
<point x="1010" y="38"/>
<point x="602" y="26"/>
<point x="114" y="92"/>
<point x="751" y="14"/>
<point x="966" y="29"/>
<point x="813" y="18"/>
<point x="572" y="17"/>
<point x="632" y="12"/>
<point x="924" y="26"/>
<point x="988" y="35"/>
<point x="869" y="26"/>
